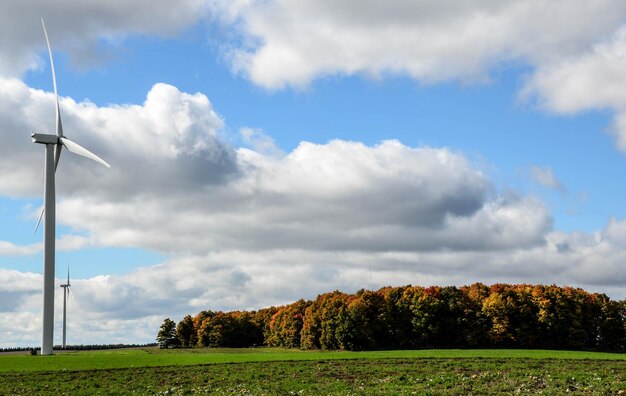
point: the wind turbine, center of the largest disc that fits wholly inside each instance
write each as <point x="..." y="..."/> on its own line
<point x="66" y="295"/>
<point x="53" y="145"/>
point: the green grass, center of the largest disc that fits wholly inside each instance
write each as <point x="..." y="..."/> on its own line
<point x="276" y="371"/>
<point x="151" y="357"/>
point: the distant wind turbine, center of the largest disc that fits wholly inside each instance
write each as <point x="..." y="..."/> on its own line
<point x="66" y="295"/>
<point x="53" y="144"/>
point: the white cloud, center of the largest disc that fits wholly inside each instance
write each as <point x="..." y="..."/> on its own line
<point x="167" y="143"/>
<point x="586" y="80"/>
<point x="591" y="80"/>
<point x="84" y="28"/>
<point x="338" y="196"/>
<point x="260" y="142"/>
<point x="168" y="158"/>
<point x="10" y="249"/>
<point x="291" y="42"/>
<point x="546" y="178"/>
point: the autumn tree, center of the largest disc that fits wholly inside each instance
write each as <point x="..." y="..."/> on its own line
<point x="310" y="334"/>
<point x="500" y="315"/>
<point x="325" y="322"/>
<point x="512" y="315"/>
<point x="286" y="325"/>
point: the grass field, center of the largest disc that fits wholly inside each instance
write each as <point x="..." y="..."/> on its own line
<point x="276" y="371"/>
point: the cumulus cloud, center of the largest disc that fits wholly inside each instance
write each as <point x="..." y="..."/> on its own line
<point x="176" y="186"/>
<point x="337" y="196"/>
<point x="585" y="80"/>
<point x="290" y="42"/>
<point x="589" y="80"/>
<point x="79" y="27"/>
<point x="170" y="142"/>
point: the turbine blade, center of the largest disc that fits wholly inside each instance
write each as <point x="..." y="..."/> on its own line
<point x="39" y="221"/>
<point x="59" y="126"/>
<point x="78" y="149"/>
<point x="69" y="292"/>
<point x="57" y="156"/>
<point x="68" y="275"/>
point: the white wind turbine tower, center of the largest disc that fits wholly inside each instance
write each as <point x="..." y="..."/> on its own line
<point x="53" y="145"/>
<point x="66" y="295"/>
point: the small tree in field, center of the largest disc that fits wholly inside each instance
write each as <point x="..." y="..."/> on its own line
<point x="186" y="332"/>
<point x="167" y="334"/>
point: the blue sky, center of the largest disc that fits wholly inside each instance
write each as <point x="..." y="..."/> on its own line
<point x="267" y="151"/>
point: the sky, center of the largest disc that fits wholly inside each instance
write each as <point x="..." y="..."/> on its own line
<point x="264" y="151"/>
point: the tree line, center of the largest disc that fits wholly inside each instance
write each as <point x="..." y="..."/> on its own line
<point x="80" y="347"/>
<point x="412" y="317"/>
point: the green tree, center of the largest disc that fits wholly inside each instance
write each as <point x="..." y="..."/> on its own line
<point x="186" y="332"/>
<point x="167" y="334"/>
<point x="612" y="328"/>
<point x="560" y="315"/>
<point x="334" y="321"/>
<point x="459" y="318"/>
<point x="245" y="332"/>
<point x="229" y="329"/>
<point x="365" y="328"/>
<point x="427" y="309"/>
<point x="397" y="318"/>
<point x="213" y="329"/>
<point x="477" y="328"/>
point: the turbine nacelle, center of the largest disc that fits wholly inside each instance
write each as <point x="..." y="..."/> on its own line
<point x="68" y="144"/>
<point x="67" y="291"/>
<point x="44" y="139"/>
